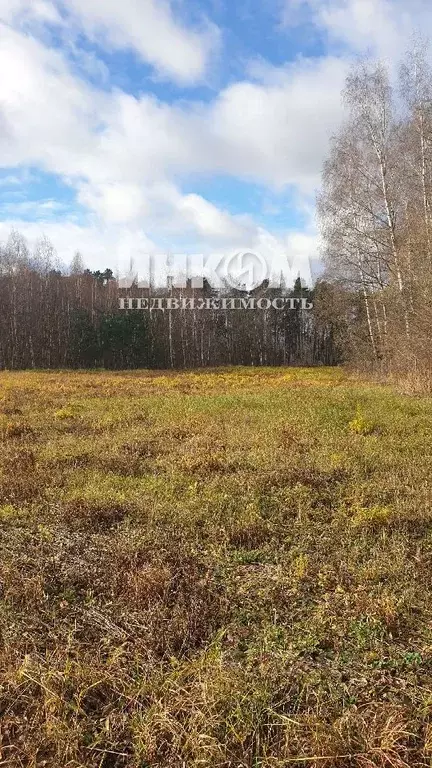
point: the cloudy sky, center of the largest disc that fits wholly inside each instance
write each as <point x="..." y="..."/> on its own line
<point x="135" y="126"/>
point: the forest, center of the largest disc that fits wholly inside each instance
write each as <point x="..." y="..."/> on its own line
<point x="71" y="318"/>
<point x="371" y="303"/>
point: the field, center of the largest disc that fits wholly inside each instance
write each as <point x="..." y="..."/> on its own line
<point x="214" y="569"/>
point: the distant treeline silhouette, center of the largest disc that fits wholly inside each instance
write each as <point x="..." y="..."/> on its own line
<point x="56" y="318"/>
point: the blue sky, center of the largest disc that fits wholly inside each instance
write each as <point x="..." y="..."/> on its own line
<point x="138" y="126"/>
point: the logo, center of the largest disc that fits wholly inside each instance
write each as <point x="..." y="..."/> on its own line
<point x="244" y="271"/>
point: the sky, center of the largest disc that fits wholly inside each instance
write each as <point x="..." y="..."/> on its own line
<point x="130" y="127"/>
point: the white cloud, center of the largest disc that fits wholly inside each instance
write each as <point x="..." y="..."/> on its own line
<point x="11" y="180"/>
<point x="275" y="131"/>
<point x="47" y="117"/>
<point x="206" y="219"/>
<point x="126" y="156"/>
<point x="23" y="11"/>
<point x="381" y="27"/>
<point x="150" y="29"/>
<point x="108" y="246"/>
<point x="278" y="130"/>
<point x="122" y="152"/>
<point x="32" y="208"/>
<point x="115" y="202"/>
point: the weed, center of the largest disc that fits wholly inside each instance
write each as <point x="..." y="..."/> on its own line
<point x="360" y="425"/>
<point x="372" y="517"/>
<point x="64" y="413"/>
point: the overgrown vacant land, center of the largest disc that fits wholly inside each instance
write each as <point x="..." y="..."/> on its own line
<point x="219" y="568"/>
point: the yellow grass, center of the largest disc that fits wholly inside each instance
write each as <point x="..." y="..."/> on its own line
<point x="226" y="569"/>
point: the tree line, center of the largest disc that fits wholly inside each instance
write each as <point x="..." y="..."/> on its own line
<point x="372" y="305"/>
<point x="51" y="317"/>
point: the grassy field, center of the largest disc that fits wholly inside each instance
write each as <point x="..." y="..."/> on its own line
<point x="214" y="569"/>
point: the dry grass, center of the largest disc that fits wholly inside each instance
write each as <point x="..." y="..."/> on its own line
<point x="228" y="569"/>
